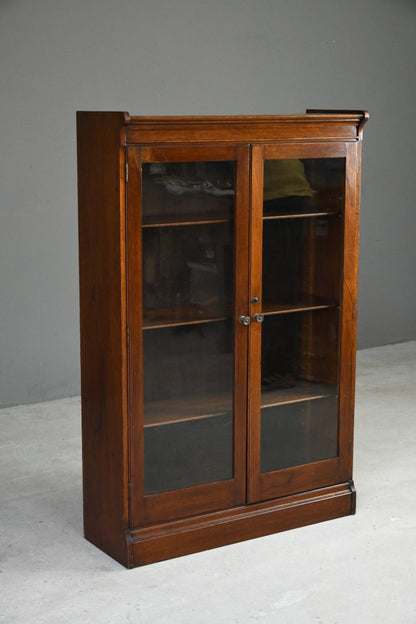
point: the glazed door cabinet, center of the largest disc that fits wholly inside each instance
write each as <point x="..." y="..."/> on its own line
<point x="188" y="283"/>
<point x="300" y="413"/>
<point x="218" y="285"/>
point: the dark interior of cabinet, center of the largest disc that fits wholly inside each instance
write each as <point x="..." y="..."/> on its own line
<point x="300" y="347"/>
<point x="188" y="361"/>
<point x="299" y="398"/>
<point x="301" y="262"/>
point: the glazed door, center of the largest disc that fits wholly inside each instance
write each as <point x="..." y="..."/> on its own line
<point x="303" y="225"/>
<point x="187" y="288"/>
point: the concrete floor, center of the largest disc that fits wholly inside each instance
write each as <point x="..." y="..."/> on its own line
<point x="356" y="569"/>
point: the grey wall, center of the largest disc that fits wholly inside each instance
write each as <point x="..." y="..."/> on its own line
<point x="188" y="57"/>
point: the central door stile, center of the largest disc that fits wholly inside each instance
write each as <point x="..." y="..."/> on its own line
<point x="255" y="303"/>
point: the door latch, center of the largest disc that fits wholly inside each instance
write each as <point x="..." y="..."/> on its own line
<point x="244" y="320"/>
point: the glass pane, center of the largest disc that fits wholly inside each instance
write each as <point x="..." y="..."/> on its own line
<point x="188" y="342"/>
<point x="299" y="373"/>
<point x="187" y="191"/>
<point x="294" y="186"/>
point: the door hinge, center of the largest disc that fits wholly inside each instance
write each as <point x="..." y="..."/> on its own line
<point x="126" y="171"/>
<point x="128" y="335"/>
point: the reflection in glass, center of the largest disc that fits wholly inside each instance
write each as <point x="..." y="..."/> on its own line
<point x="294" y="186"/>
<point x="190" y="191"/>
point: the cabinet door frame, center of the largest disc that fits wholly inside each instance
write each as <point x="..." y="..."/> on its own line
<point x="212" y="496"/>
<point x="330" y="471"/>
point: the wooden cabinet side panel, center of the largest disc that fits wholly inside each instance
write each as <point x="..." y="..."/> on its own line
<point x="103" y="329"/>
<point x="349" y="307"/>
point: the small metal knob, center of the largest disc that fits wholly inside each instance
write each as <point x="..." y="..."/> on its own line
<point x="244" y="320"/>
<point x="258" y="318"/>
<point x="255" y="300"/>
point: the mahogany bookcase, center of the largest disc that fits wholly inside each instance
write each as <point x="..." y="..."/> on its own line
<point x="218" y="293"/>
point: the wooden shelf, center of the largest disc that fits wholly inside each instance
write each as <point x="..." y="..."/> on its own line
<point x="157" y="221"/>
<point x="169" y="411"/>
<point x="158" y="319"/>
<point x="302" y="215"/>
<point x="301" y="391"/>
<point x="304" y="304"/>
